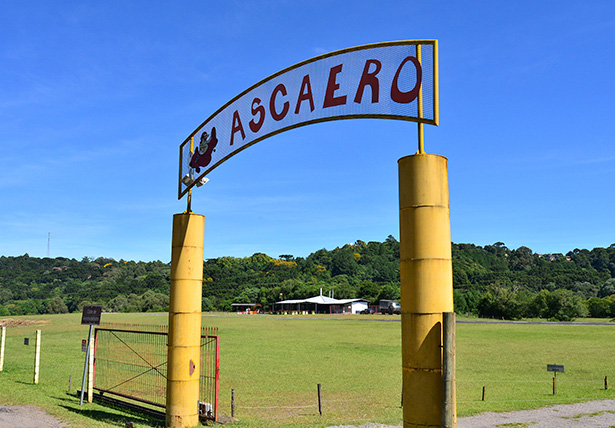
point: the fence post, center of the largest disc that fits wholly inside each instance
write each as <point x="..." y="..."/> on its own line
<point x="554" y="384"/>
<point x="448" y="370"/>
<point x="606" y="381"/>
<point x="2" y="339"/>
<point x="232" y="403"/>
<point x="37" y="356"/>
<point x="319" y="401"/>
<point x="483" y="394"/>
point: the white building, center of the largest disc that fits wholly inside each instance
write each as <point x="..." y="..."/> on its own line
<point x="321" y="305"/>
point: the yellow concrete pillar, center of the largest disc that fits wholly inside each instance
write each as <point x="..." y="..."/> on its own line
<point x="426" y="283"/>
<point x="183" y="366"/>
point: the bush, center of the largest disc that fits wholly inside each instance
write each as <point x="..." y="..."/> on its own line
<point x="499" y="302"/>
<point x="564" y="305"/>
<point x="56" y="306"/>
<point x="598" y="308"/>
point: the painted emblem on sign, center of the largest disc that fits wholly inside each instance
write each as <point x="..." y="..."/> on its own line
<point x="202" y="155"/>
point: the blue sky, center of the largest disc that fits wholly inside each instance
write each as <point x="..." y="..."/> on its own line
<point x="95" y="98"/>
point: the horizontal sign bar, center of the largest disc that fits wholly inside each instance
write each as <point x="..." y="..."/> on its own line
<point x="555" y="368"/>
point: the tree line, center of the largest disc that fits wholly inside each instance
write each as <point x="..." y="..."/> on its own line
<point x="491" y="281"/>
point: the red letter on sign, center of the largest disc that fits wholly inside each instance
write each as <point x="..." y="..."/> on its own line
<point x="370" y="79"/>
<point x="256" y="126"/>
<point x="332" y="86"/>
<point x="305" y="93"/>
<point x="280" y="88"/>
<point x="237" y="126"/>
<point x="407" y="97"/>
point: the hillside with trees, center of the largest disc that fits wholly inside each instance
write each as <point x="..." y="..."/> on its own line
<point x="491" y="281"/>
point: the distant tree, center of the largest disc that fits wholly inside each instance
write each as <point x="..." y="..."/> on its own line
<point x="564" y="305"/>
<point x="134" y="303"/>
<point x="248" y="295"/>
<point x="521" y="259"/>
<point x="82" y="304"/>
<point x="466" y="301"/>
<point x="154" y="302"/>
<point x="343" y="288"/>
<point x="5" y="295"/>
<point x="461" y="306"/>
<point x="390" y="291"/>
<point x="369" y="290"/>
<point x="585" y="289"/>
<point x="538" y="307"/>
<point x="500" y="302"/>
<point x="599" y="308"/>
<point x="343" y="262"/>
<point x="118" y="304"/>
<point x="460" y="277"/>
<point x="56" y="306"/>
<point x="606" y="289"/>
<point x="207" y="305"/>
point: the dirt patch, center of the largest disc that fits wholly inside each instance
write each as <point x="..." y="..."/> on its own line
<point x="27" y="417"/>
<point x="10" y="322"/>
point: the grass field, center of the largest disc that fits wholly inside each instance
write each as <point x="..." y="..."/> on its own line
<point x="274" y="364"/>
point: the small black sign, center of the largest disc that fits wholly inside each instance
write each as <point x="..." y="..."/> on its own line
<point x="91" y="314"/>
<point x="555" y="368"/>
<point x="26" y="341"/>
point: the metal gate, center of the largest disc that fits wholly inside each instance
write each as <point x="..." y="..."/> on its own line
<point x="130" y="361"/>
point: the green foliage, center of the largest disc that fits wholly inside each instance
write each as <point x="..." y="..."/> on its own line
<point x="505" y="303"/>
<point x="30" y="285"/>
<point x="491" y="281"/>
<point x="56" y="306"/>
<point x="562" y="305"/>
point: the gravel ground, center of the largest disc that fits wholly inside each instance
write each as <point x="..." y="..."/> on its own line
<point x="27" y="417"/>
<point x="592" y="414"/>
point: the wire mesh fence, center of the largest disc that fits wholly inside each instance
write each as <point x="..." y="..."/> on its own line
<point x="131" y="362"/>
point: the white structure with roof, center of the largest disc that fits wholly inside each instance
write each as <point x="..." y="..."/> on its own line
<point x="322" y="305"/>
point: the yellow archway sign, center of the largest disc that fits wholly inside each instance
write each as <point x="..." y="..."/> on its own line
<point x="394" y="80"/>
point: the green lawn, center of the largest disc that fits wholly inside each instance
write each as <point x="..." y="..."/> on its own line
<point x="274" y="364"/>
<point x="510" y="361"/>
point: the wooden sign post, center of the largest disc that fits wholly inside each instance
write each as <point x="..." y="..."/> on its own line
<point x="2" y="339"/>
<point x="555" y="368"/>
<point x="37" y="356"/>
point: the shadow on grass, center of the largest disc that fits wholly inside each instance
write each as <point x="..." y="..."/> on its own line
<point x="113" y="418"/>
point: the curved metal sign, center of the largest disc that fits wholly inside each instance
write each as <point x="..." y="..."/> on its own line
<point x="394" y="80"/>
